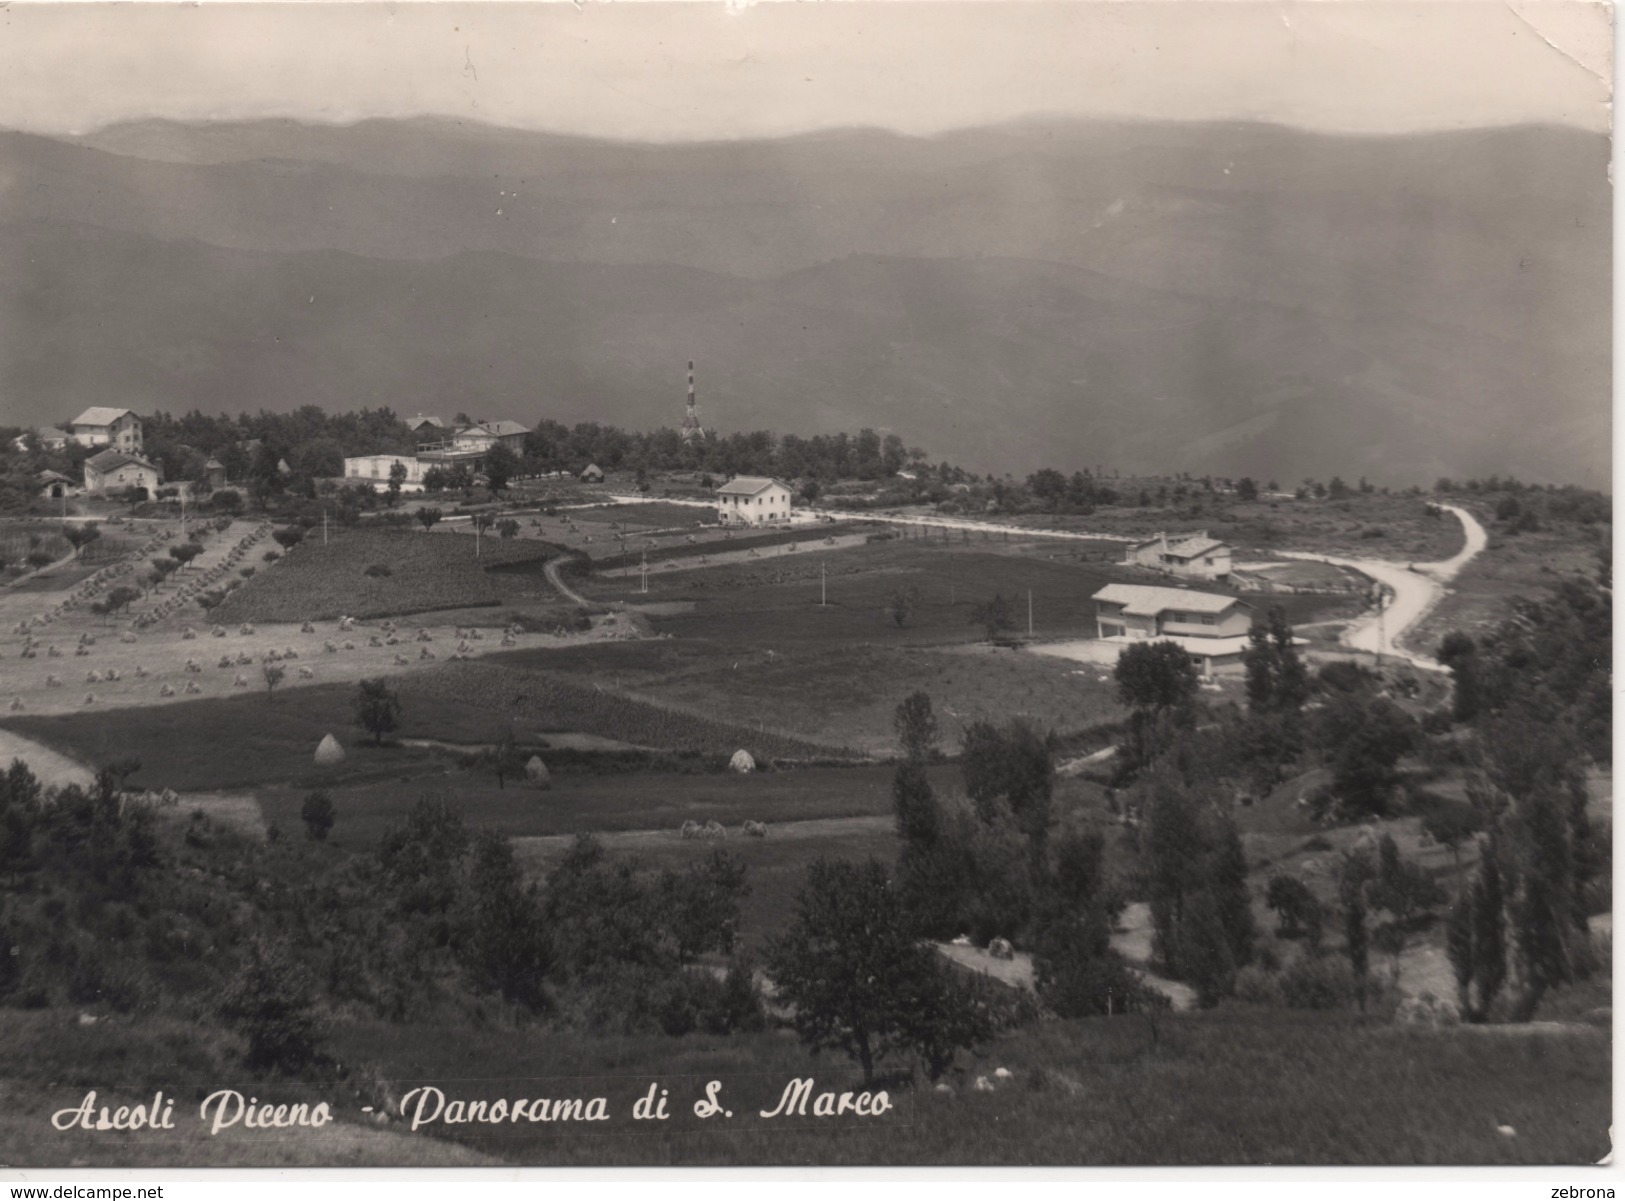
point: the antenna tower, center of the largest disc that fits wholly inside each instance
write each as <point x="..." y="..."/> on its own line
<point x="692" y="430"/>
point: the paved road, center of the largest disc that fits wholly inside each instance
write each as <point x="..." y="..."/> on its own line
<point x="1414" y="589"/>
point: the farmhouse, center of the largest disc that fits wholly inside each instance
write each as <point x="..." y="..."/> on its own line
<point x="1211" y="628"/>
<point x="115" y="470"/>
<point x="753" y="500"/>
<point x="53" y="485"/>
<point x="98" y="426"/>
<point x="1190" y="556"/>
<point x="376" y="468"/>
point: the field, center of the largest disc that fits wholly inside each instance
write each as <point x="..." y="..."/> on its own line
<point x="1512" y="566"/>
<point x="1365" y="525"/>
<point x="244" y="740"/>
<point x="412" y="573"/>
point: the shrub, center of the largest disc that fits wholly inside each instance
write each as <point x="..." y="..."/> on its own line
<point x="1257" y="986"/>
<point x="271" y="1004"/>
<point x="228" y="500"/>
<point x="271" y="556"/>
<point x="378" y="571"/>
<point x="317" y="814"/>
<point x="1317" y="982"/>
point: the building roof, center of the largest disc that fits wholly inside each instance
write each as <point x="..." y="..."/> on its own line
<point x="1186" y="546"/>
<point x="747" y="485"/>
<point x="1194" y="548"/>
<point x="214" y="465"/>
<point x="100" y="415"/>
<point x="53" y="477"/>
<point x="112" y="460"/>
<point x="1145" y="600"/>
<point x="424" y="419"/>
<point x="593" y="469"/>
<point x="503" y="429"/>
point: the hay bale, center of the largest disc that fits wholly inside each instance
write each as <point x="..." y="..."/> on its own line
<point x="536" y="773"/>
<point x="328" y="751"/>
<point x="742" y="762"/>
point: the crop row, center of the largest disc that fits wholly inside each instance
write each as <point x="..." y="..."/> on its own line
<point x="373" y="573"/>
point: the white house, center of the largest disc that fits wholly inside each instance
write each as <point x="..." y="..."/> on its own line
<point x="97" y="426"/>
<point x="1211" y="628"/>
<point x="753" y="500"/>
<point x="1190" y="556"/>
<point x="376" y="469"/>
<point x="115" y="470"/>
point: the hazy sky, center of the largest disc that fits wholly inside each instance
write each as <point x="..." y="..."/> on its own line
<point x="706" y="70"/>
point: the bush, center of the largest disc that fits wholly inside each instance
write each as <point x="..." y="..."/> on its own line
<point x="1317" y="982"/>
<point x="317" y="814"/>
<point x="271" y="556"/>
<point x="271" y="1004"/>
<point x="378" y="571"/>
<point x="1257" y="986"/>
<point x="228" y="500"/>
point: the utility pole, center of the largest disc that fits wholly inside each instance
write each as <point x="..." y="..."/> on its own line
<point x="1029" y="613"/>
<point x="324" y="525"/>
<point x="643" y="572"/>
<point x="823" y="586"/>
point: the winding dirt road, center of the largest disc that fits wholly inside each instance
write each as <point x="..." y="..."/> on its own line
<point x="1413" y="589"/>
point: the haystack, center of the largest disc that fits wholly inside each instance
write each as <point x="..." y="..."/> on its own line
<point x="742" y="762"/>
<point x="329" y="751"/>
<point x="537" y="774"/>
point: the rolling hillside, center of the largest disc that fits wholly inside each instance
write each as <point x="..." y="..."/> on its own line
<point x="1237" y="299"/>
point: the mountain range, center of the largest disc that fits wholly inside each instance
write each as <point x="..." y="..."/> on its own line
<point x="1226" y="298"/>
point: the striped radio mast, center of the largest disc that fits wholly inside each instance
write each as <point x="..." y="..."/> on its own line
<point x="692" y="430"/>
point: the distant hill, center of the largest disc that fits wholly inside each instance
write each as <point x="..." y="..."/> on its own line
<point x="1226" y="298"/>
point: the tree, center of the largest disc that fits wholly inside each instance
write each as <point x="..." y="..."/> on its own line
<point x="1277" y="681"/>
<point x="1014" y="764"/>
<point x="420" y="857"/>
<point x="435" y="479"/>
<point x="914" y="805"/>
<point x="428" y="518"/>
<point x="1246" y="488"/>
<point x="701" y="905"/>
<point x="481" y="522"/>
<point x="1158" y="677"/>
<point x="377" y="709"/>
<point x="503" y="759"/>
<point x="1355" y="877"/>
<point x="317" y="813"/>
<point x="288" y="537"/>
<point x="994" y="616"/>
<point x="916" y="726"/>
<point x="508" y="528"/>
<point x="274" y="674"/>
<point x="500" y="464"/>
<point x="1297" y="911"/>
<point x="858" y="980"/>
<point x="185" y="552"/>
<point x="902" y="605"/>
<point x="1459" y="653"/>
<point x="80" y="536"/>
<point x="118" y="598"/>
<point x="505" y="945"/>
<point x="272" y="1003"/>
<point x="1476" y="939"/>
<point x="1365" y="738"/>
<point x="397" y="477"/>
